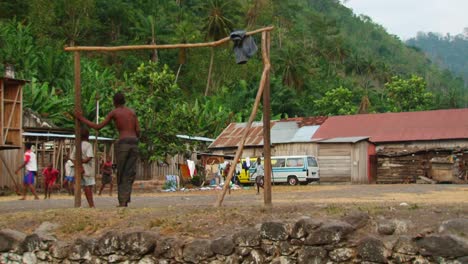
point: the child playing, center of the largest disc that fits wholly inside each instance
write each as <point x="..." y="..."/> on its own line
<point x="88" y="178"/>
<point x="69" y="181"/>
<point x="30" y="164"/>
<point x="50" y="176"/>
<point x="106" y="170"/>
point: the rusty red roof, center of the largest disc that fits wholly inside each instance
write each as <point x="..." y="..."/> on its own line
<point x="306" y="121"/>
<point x="391" y="127"/>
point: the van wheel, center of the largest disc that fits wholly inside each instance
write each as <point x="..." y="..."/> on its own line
<point x="292" y="180"/>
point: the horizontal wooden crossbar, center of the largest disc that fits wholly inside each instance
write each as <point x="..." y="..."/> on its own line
<point x="166" y="46"/>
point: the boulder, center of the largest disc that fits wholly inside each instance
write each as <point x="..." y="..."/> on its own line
<point x="283" y="260"/>
<point x="197" y="251"/>
<point x="457" y="227"/>
<point x="329" y="233"/>
<point x="30" y="258"/>
<point x="275" y="231"/>
<point x="372" y="249"/>
<point x="30" y="243"/>
<point x="357" y="219"/>
<point x="60" y="250"/>
<point x="286" y="248"/>
<point x="108" y="244"/>
<point x="223" y="246"/>
<point x="341" y="254"/>
<point x="82" y="249"/>
<point x="386" y="228"/>
<point x="442" y="246"/>
<point x="138" y="243"/>
<point x="168" y="247"/>
<point x="247" y="238"/>
<point x="311" y="255"/>
<point x="405" y="245"/>
<point x="10" y="239"/>
<point x="304" y="226"/>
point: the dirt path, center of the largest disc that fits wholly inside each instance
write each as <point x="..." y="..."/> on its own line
<point x="192" y="213"/>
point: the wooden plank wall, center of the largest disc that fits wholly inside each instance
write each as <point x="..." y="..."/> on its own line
<point x="359" y="160"/>
<point x="291" y="149"/>
<point x="13" y="160"/>
<point x="402" y="169"/>
<point x="335" y="162"/>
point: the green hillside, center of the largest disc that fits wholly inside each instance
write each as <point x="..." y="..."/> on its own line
<point x="450" y="52"/>
<point x="325" y="61"/>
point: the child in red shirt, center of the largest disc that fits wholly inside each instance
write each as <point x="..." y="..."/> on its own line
<point x="50" y="176"/>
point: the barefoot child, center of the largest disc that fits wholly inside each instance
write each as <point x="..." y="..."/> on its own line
<point x="106" y="170"/>
<point x="50" y="176"/>
<point x="69" y="181"/>
<point x="30" y="164"/>
<point x="88" y="178"/>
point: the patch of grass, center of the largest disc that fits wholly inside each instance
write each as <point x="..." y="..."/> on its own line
<point x="413" y="207"/>
<point x="333" y="209"/>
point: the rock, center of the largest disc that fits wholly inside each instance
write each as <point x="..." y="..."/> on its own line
<point x="46" y="228"/>
<point x="257" y="256"/>
<point x="463" y="259"/>
<point x="341" y="254"/>
<point x="247" y="238"/>
<point x="108" y="244"/>
<point x="60" y="250"/>
<point x="311" y="255"/>
<point x="372" y="249"/>
<point x="386" y="228"/>
<point x="216" y="262"/>
<point x="168" y="247"/>
<point x="10" y="239"/>
<point x="443" y="246"/>
<point x="283" y="260"/>
<point x="11" y="258"/>
<point x="275" y="231"/>
<point x="243" y="251"/>
<point x="286" y="249"/>
<point x="401" y="226"/>
<point x="232" y="259"/>
<point x="197" y="251"/>
<point x="457" y="227"/>
<point x="357" y="219"/>
<point x="42" y="255"/>
<point x="329" y="233"/>
<point x="223" y="246"/>
<point x="304" y="226"/>
<point x="406" y="245"/>
<point x="421" y="260"/>
<point x="402" y="258"/>
<point x="148" y="259"/>
<point x="138" y="243"/>
<point x="270" y="250"/>
<point x="30" y="243"/>
<point x="29" y="257"/>
<point x="114" y="258"/>
<point x="82" y="249"/>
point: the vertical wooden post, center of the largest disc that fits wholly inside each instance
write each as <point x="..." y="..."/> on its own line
<point x="240" y="148"/>
<point x="266" y="125"/>
<point x="78" y="163"/>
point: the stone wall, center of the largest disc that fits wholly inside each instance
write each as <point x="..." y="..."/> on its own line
<point x="352" y="239"/>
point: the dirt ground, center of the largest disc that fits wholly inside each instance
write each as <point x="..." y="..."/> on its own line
<point x="192" y="213"/>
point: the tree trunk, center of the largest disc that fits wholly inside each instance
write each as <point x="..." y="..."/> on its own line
<point x="208" y="81"/>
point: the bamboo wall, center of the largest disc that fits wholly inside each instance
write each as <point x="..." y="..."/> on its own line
<point x="13" y="160"/>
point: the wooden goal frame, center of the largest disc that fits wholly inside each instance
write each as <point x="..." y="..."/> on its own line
<point x="264" y="89"/>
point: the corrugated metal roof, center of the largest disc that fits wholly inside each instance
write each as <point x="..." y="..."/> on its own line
<point x="282" y="131"/>
<point x="343" y="140"/>
<point x="304" y="134"/>
<point x="393" y="127"/>
<point x="52" y="135"/>
<point x="195" y="138"/>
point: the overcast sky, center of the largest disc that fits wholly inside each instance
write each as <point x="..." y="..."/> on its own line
<point x="405" y="18"/>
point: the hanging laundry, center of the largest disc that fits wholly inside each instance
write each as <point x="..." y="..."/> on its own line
<point x="244" y="46"/>
<point x="191" y="166"/>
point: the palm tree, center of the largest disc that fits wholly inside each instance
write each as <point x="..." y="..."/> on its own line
<point x="217" y="26"/>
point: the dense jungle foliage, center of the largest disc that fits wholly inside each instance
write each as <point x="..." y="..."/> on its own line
<point x="450" y="52"/>
<point x="325" y="61"/>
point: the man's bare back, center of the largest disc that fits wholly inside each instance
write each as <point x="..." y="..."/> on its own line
<point x="126" y="122"/>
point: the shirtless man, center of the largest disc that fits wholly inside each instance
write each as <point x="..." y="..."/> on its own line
<point x="126" y="122"/>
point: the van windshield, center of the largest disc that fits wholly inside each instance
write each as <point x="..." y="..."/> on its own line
<point x="312" y="162"/>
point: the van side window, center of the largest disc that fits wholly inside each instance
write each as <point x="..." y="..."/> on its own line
<point x="312" y="162"/>
<point x="278" y="163"/>
<point x="295" y="162"/>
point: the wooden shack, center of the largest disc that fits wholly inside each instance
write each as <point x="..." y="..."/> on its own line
<point x="11" y="114"/>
